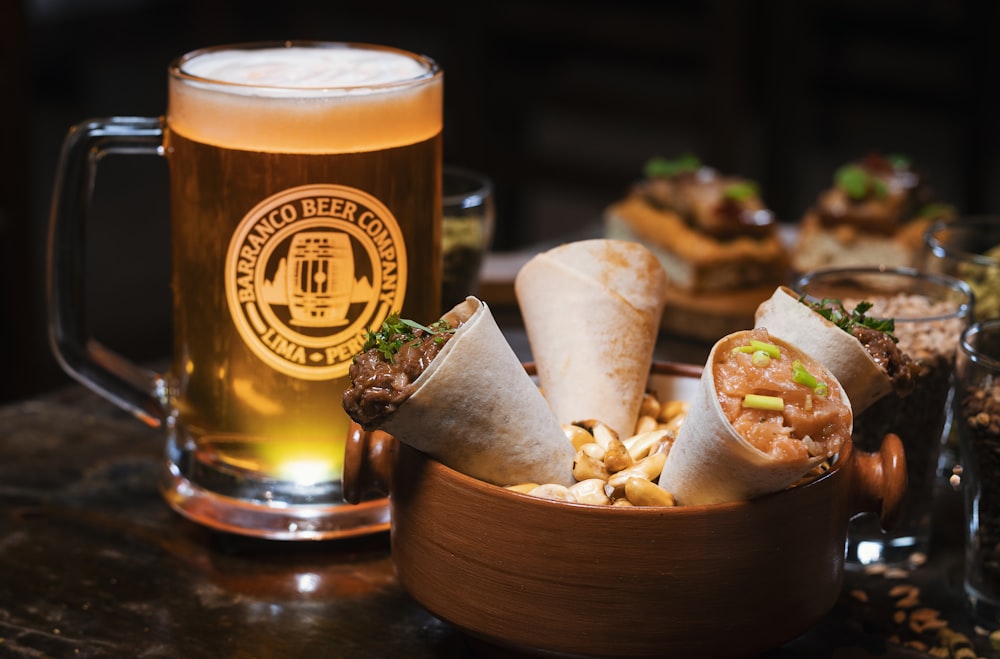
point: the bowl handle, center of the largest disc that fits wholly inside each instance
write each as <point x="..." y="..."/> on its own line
<point x="369" y="457"/>
<point x="880" y="481"/>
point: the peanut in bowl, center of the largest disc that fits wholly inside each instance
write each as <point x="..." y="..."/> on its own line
<point x="520" y="574"/>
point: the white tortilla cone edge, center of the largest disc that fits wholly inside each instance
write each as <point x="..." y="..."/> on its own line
<point x="710" y="462"/>
<point x="476" y="410"/>
<point x="628" y="268"/>
<point x="783" y="316"/>
<point x="592" y="310"/>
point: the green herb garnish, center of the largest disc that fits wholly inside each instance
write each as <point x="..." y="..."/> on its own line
<point x="802" y="376"/>
<point x="833" y="310"/>
<point x="741" y="191"/>
<point x="396" y="332"/>
<point x="937" y="211"/>
<point x="662" y="167"/>
<point x="899" y="161"/>
<point x="857" y="182"/>
<point x="769" y="349"/>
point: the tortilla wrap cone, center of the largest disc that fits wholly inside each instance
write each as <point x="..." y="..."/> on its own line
<point x="476" y="410"/>
<point x="592" y="312"/>
<point x="710" y="462"/>
<point x="862" y="378"/>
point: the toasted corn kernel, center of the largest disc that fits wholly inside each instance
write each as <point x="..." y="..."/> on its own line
<point x="642" y="492"/>
<point x="648" y="468"/>
<point x="590" y="491"/>
<point x="663" y="446"/>
<point x="924" y="614"/>
<point x="672" y="409"/>
<point x="553" y="491"/>
<point x="586" y="467"/>
<point x="616" y="456"/>
<point x="903" y="590"/>
<point x="622" y="503"/>
<point x="674" y="424"/>
<point x="651" y="466"/>
<point x="603" y="434"/>
<point x="577" y="435"/>
<point x="594" y="450"/>
<point x="524" y="488"/>
<point x="919" y="626"/>
<point x="640" y="444"/>
<point x="650" y="406"/>
<point x="646" y="423"/>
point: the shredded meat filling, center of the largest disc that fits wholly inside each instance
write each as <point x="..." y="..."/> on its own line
<point x="379" y="387"/>
<point x="897" y="365"/>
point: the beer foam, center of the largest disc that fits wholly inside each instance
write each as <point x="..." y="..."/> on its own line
<point x="306" y="99"/>
<point x="271" y="69"/>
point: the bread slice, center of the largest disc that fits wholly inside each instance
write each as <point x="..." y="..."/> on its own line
<point x="874" y="213"/>
<point x="824" y="246"/>
<point x="696" y="262"/>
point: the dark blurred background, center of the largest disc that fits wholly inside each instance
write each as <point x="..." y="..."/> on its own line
<point x="560" y="102"/>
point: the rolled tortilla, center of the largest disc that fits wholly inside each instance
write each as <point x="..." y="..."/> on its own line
<point x="711" y="462"/>
<point x="862" y="378"/>
<point x="592" y="312"/>
<point x="476" y="410"/>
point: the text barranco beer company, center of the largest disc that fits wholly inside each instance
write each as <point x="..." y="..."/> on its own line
<point x="308" y="271"/>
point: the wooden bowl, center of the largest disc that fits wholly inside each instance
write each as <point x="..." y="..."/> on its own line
<point x="528" y="576"/>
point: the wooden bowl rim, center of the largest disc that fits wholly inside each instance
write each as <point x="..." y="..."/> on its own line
<point x="841" y="460"/>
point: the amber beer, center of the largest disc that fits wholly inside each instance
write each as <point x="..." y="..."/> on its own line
<point x="305" y="193"/>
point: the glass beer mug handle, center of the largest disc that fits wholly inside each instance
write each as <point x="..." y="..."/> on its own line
<point x="137" y="390"/>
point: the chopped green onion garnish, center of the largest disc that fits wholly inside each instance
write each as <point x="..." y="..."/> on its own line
<point x="740" y="191"/>
<point x="761" y="402"/>
<point x="853" y="180"/>
<point x="755" y="346"/>
<point x="857" y="182"/>
<point x="771" y="349"/>
<point x="801" y="376"/>
<point x="936" y="211"/>
<point x="760" y="358"/>
<point x="898" y="161"/>
<point x="663" y="167"/>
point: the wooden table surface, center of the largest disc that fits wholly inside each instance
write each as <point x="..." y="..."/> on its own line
<point x="94" y="564"/>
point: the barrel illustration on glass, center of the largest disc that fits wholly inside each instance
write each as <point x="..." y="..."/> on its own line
<point x="321" y="277"/>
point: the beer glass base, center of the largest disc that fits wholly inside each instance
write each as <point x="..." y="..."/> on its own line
<point x="263" y="508"/>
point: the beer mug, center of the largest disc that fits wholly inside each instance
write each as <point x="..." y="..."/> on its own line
<point x="305" y="193"/>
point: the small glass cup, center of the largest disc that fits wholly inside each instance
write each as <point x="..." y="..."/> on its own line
<point x="466" y="231"/>
<point x="929" y="311"/>
<point x="968" y="248"/>
<point x="977" y="423"/>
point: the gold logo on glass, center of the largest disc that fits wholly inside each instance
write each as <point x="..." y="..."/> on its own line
<point x="308" y="271"/>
